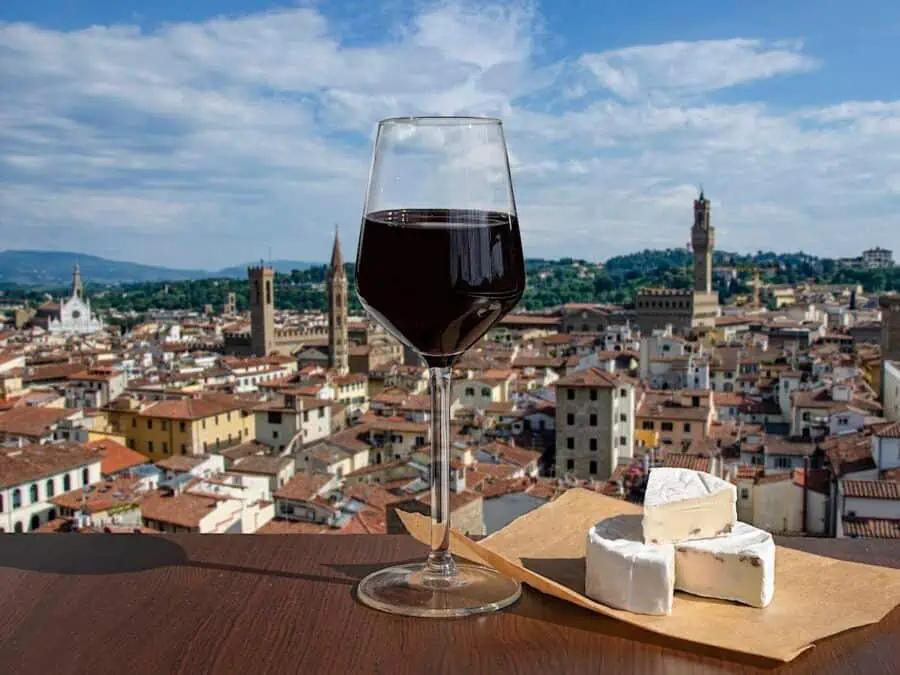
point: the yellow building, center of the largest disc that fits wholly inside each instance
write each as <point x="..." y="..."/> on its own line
<point x="189" y="426"/>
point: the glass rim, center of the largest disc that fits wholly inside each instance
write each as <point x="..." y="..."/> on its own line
<point x="440" y="119"/>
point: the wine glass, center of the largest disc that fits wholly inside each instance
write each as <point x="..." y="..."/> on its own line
<point x="439" y="263"/>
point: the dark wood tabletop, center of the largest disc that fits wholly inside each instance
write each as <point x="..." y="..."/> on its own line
<point x="132" y="604"/>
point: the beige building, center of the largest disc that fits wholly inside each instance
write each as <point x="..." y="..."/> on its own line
<point x="680" y="417"/>
<point x="188" y="426"/>
<point x="482" y="391"/>
<point x="594" y="423"/>
<point x="686" y="311"/>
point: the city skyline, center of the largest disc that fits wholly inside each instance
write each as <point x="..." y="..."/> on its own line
<point x="147" y="134"/>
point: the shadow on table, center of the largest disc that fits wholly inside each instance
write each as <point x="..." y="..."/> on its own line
<point x="125" y="553"/>
<point x="570" y="572"/>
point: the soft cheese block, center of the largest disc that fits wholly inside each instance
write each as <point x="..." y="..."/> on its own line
<point x="739" y="566"/>
<point x="682" y="504"/>
<point x="622" y="571"/>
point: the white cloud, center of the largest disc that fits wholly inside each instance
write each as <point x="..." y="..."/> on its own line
<point x="688" y="68"/>
<point x="205" y="144"/>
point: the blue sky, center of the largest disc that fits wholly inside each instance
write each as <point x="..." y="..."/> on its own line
<point x="205" y="133"/>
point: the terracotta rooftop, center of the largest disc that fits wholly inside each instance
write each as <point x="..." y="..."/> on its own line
<point x="592" y="377"/>
<point x="108" y="494"/>
<point x="261" y="465"/>
<point x="33" y="422"/>
<point x="871" y="489"/>
<point x="304" y="486"/>
<point x="194" y="408"/>
<point x="849" y="453"/>
<point x="511" y="454"/>
<point x="50" y="372"/>
<point x="889" y="430"/>
<point x="184" y="510"/>
<point x="181" y="463"/>
<point x="684" y="461"/>
<point x="816" y="480"/>
<point x="115" y="457"/>
<point x="373" y="495"/>
<point x="873" y="528"/>
<point x="33" y="462"/>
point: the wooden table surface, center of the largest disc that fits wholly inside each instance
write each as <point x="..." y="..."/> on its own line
<point x="132" y="604"/>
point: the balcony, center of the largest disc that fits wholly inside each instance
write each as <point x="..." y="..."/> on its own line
<point x="284" y="603"/>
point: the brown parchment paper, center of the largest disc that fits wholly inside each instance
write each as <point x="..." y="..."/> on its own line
<point x="815" y="596"/>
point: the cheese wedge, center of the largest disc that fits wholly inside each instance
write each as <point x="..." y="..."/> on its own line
<point x="623" y="572"/>
<point x="681" y="504"/>
<point x="739" y="566"/>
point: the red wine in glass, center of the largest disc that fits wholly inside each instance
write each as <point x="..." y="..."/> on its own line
<point x="439" y="279"/>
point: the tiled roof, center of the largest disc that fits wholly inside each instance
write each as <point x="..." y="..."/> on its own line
<point x="304" y="486"/>
<point x="889" y="430"/>
<point x="103" y="496"/>
<point x="261" y="464"/>
<point x="114" y="456"/>
<point x="849" y="453"/>
<point x="194" y="408"/>
<point x="53" y="371"/>
<point x="592" y="377"/>
<point x="32" y="462"/>
<point x="873" y="528"/>
<point x="871" y="489"/>
<point x="181" y="463"/>
<point x="511" y="454"/>
<point x="184" y="510"/>
<point x="33" y="422"/>
<point x="683" y="461"/>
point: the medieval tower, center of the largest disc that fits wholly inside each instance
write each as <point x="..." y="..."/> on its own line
<point x="338" y="345"/>
<point x="702" y="241"/>
<point x="262" y="309"/>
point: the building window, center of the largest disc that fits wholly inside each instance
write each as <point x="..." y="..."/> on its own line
<point x="647" y="425"/>
<point x="485" y="391"/>
<point x="182" y="427"/>
<point x="16" y="498"/>
<point x="470" y="391"/>
<point x="593" y="419"/>
<point x="623" y="441"/>
<point x="570" y="465"/>
<point x="134" y="422"/>
<point x="165" y="448"/>
<point x="782" y="462"/>
<point x="149" y="424"/>
<point x="570" y="394"/>
<point x="217" y="420"/>
<point x="623" y="393"/>
<point x="321" y="413"/>
<point x="843" y="421"/>
<point x="85" y="476"/>
<point x="805" y="416"/>
<point x="203" y="423"/>
<point x="149" y="446"/>
<point x="570" y="443"/>
<point x="745" y="493"/>
<point x="593" y="444"/>
<point x="268" y="292"/>
<point x="35" y="522"/>
<point x="51" y="488"/>
<point x="17" y="528"/>
<point x="1" y="503"/>
<point x="592" y="468"/>
<point x="623" y="417"/>
<point x="570" y="419"/>
<point x="34" y="493"/>
<point x="274" y="417"/>
<point x="593" y="394"/>
<point x="687" y="427"/>
<point x="165" y="425"/>
<point x="275" y="434"/>
<point x="667" y="426"/>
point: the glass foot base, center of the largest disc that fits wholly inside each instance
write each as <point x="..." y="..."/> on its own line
<point x="409" y="590"/>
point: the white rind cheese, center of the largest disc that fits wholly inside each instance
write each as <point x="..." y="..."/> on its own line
<point x="682" y="504"/>
<point x="622" y="571"/>
<point x="739" y="566"/>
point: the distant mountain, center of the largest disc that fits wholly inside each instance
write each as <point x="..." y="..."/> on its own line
<point x="281" y="266"/>
<point x="54" y="268"/>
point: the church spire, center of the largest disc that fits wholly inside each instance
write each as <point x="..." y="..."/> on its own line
<point x="337" y="259"/>
<point x="77" y="288"/>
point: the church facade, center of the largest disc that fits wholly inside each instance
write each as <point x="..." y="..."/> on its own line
<point x="75" y="315"/>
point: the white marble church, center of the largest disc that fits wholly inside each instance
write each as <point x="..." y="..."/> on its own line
<point x="75" y="315"/>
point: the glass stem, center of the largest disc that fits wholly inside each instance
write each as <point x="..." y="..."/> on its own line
<point x="440" y="562"/>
